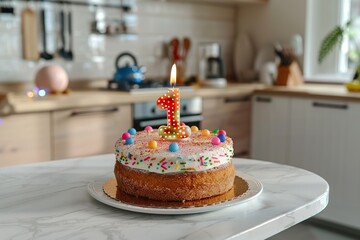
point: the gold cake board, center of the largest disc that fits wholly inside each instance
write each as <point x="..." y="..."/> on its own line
<point x="110" y="189"/>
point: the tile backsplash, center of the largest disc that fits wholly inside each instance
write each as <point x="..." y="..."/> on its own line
<point x="94" y="55"/>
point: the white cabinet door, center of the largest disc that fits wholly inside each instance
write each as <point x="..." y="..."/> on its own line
<point x="270" y="123"/>
<point x="324" y="139"/>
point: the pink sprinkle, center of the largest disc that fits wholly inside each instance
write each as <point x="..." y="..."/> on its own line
<point x="202" y="161"/>
<point x="145" y="159"/>
<point x="125" y="136"/>
<point x="133" y="163"/>
<point x="163" y="165"/>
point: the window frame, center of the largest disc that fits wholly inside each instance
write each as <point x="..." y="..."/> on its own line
<point x="334" y="68"/>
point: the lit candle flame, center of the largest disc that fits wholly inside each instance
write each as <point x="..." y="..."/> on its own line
<point x="173" y="75"/>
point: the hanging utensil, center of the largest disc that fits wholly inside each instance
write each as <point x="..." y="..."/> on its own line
<point x="62" y="52"/>
<point x="29" y="34"/>
<point x="175" y="43"/>
<point x="70" y="55"/>
<point x="45" y="55"/>
<point x="186" y="48"/>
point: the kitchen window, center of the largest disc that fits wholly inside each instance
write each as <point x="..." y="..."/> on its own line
<point x="322" y="17"/>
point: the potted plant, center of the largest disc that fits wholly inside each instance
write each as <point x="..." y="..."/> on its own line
<point x="336" y="37"/>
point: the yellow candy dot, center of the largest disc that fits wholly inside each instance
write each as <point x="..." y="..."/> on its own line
<point x="152" y="144"/>
<point x="205" y="133"/>
<point x="194" y="129"/>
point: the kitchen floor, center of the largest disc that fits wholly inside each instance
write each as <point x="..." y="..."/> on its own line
<point x="310" y="231"/>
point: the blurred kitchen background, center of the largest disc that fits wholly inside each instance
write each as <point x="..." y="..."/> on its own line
<point x="103" y="29"/>
<point x="75" y="74"/>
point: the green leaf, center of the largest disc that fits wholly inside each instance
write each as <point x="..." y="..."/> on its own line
<point x="330" y="41"/>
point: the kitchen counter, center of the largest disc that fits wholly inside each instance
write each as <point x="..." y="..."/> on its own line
<point x="13" y="103"/>
<point x="336" y="92"/>
<point x="19" y="103"/>
<point x="50" y="201"/>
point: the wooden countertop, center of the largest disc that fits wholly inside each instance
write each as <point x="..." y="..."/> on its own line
<point x="14" y="103"/>
<point x="334" y="92"/>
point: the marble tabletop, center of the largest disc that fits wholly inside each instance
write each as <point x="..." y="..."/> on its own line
<point x="50" y="201"/>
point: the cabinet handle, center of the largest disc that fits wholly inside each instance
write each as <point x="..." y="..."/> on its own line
<point x="87" y="112"/>
<point x="237" y="99"/>
<point x="263" y="99"/>
<point x="330" y="105"/>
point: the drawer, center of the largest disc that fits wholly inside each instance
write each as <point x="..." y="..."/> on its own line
<point x="88" y="131"/>
<point x="25" y="138"/>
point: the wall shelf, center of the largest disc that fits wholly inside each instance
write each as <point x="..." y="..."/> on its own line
<point x="104" y="4"/>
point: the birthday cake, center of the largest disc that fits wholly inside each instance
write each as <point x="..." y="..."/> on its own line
<point x="149" y="166"/>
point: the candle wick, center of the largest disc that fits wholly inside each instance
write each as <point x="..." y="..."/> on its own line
<point x="173" y="85"/>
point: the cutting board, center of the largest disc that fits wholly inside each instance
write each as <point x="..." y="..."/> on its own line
<point x="29" y="32"/>
<point x="244" y="58"/>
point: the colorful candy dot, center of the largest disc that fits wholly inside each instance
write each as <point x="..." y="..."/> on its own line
<point x="215" y="141"/>
<point x="182" y="124"/>
<point x="194" y="129"/>
<point x="132" y="131"/>
<point x="152" y="144"/>
<point x="205" y="132"/>
<point x="222" y="131"/>
<point x="216" y="130"/>
<point x="222" y="137"/>
<point x="125" y="136"/>
<point x="129" y="141"/>
<point x="174" y="147"/>
<point x="148" y="128"/>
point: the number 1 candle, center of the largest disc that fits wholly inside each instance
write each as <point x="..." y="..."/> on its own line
<point x="170" y="101"/>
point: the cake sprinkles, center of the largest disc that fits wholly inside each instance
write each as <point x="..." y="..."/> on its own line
<point x="201" y="154"/>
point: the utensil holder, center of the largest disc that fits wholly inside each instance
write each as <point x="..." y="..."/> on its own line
<point x="289" y="75"/>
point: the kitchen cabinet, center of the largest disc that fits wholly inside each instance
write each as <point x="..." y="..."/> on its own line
<point x="324" y="138"/>
<point x="231" y="114"/>
<point x="24" y="138"/>
<point x="88" y="131"/>
<point x="269" y="128"/>
<point x="319" y="135"/>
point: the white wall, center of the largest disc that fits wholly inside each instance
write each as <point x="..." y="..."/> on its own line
<point x="275" y="21"/>
<point x="158" y="21"/>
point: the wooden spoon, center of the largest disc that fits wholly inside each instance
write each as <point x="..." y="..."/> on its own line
<point x="186" y="47"/>
<point x="174" y="43"/>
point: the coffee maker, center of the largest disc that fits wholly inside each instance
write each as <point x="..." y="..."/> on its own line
<point x="211" y="67"/>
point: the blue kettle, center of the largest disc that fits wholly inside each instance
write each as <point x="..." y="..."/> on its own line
<point x="132" y="74"/>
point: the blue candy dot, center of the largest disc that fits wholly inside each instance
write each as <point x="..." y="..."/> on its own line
<point x="132" y="131"/>
<point x="174" y="147"/>
<point x="222" y="137"/>
<point x="129" y="141"/>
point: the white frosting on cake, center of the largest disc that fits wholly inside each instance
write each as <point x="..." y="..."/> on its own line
<point x="194" y="154"/>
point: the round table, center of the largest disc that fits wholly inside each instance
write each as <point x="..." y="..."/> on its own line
<point x="49" y="200"/>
